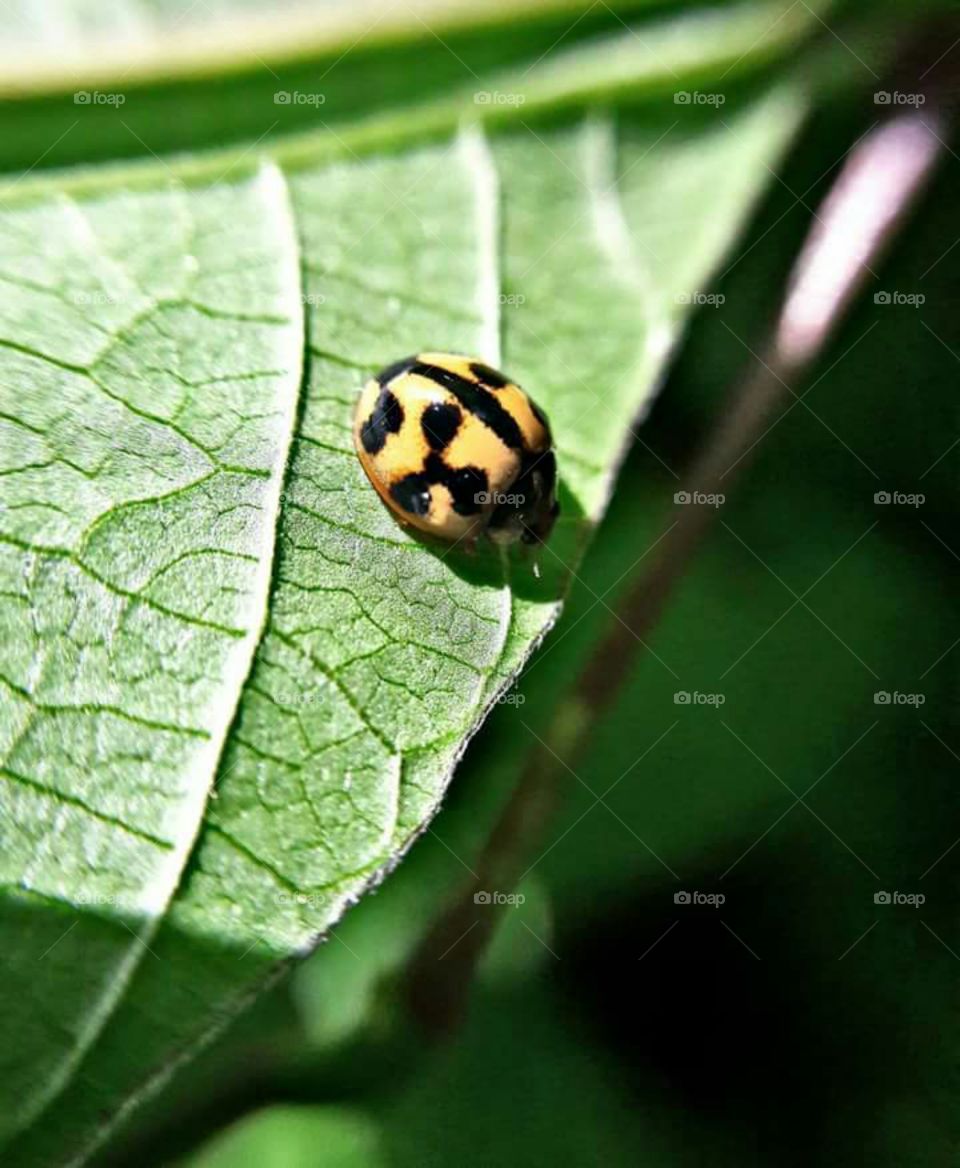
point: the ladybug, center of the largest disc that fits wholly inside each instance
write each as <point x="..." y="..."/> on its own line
<point x="456" y="449"/>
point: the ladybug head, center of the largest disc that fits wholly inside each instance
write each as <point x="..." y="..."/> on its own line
<point x="527" y="511"/>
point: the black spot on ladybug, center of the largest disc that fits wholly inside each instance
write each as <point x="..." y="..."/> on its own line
<point x="545" y="466"/>
<point x="385" y="419"/>
<point x="440" y="422"/>
<point x="412" y="493"/>
<point x="476" y="400"/>
<point x="385" y="376"/>
<point x="492" y="377"/>
<point x="435" y="469"/>
<point x="467" y="487"/>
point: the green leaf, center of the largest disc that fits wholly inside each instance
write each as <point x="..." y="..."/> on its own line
<point x="381" y="656"/>
<point x="148" y="397"/>
<point x="720" y="159"/>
